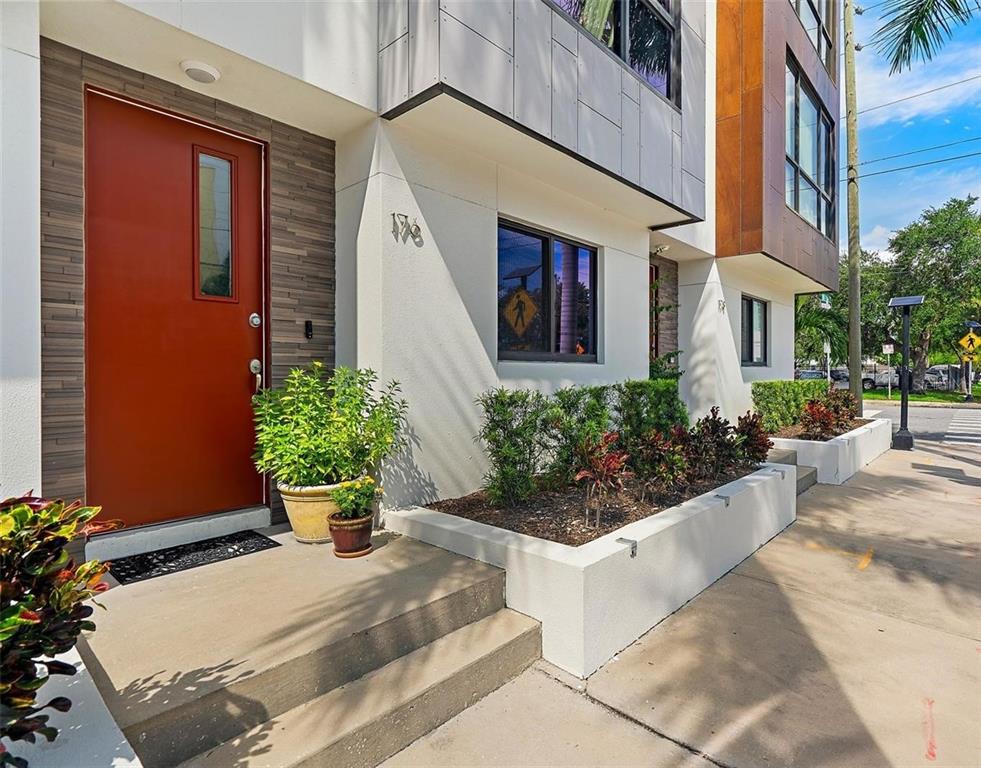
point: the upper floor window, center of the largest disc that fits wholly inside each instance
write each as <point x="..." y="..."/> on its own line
<point x="810" y="168"/>
<point x="644" y="33"/>
<point x="817" y="16"/>
<point x="546" y="296"/>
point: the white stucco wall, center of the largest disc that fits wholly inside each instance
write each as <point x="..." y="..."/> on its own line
<point x="709" y="327"/>
<point x="20" y="259"/>
<point x="426" y="313"/>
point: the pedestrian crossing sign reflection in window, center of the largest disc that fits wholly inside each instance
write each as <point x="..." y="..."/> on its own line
<point x="520" y="311"/>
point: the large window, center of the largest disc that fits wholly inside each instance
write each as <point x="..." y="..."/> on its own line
<point x="546" y="296"/>
<point x="817" y="16"/>
<point x="810" y="181"/>
<point x="754" y="331"/>
<point x="641" y="32"/>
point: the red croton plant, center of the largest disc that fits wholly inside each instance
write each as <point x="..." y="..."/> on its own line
<point x="604" y="470"/>
<point x="43" y="608"/>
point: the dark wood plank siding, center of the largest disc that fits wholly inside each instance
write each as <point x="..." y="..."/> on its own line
<point x="301" y="241"/>
<point x="751" y="216"/>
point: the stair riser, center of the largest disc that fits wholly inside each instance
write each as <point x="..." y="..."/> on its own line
<point x="377" y="741"/>
<point x="203" y="724"/>
<point x="805" y="481"/>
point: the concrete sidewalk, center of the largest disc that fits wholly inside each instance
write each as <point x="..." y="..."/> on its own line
<point x="852" y="639"/>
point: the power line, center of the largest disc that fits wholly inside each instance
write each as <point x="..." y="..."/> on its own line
<point x="915" y="165"/>
<point x="915" y="95"/>
<point x="915" y="151"/>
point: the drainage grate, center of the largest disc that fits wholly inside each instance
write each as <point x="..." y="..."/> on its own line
<point x="174" y="559"/>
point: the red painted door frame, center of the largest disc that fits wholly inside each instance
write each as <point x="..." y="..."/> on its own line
<point x="264" y="281"/>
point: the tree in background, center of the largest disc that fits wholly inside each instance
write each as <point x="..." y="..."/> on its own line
<point x="917" y="29"/>
<point x="814" y="325"/>
<point x="938" y="256"/>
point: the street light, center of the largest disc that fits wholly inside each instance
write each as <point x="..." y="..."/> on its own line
<point x="903" y="439"/>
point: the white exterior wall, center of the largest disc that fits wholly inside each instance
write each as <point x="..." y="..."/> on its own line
<point x="20" y="249"/>
<point x="426" y="313"/>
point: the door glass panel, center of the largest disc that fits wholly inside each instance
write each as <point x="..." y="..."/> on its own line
<point x="214" y="226"/>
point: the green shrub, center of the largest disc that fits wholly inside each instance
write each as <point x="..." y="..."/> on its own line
<point x="44" y="606"/>
<point x="354" y="499"/>
<point x="781" y="403"/>
<point x="315" y="430"/>
<point x="843" y="407"/>
<point x="576" y="416"/>
<point x="514" y="433"/>
<point x="644" y="406"/>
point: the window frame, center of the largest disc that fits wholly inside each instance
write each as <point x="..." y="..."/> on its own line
<point x="748" y="317"/>
<point x="197" y="151"/>
<point x="547" y="302"/>
<point x="622" y="51"/>
<point x="826" y="33"/>
<point x="827" y="160"/>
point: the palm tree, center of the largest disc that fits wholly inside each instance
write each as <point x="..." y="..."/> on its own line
<point x="917" y="29"/>
<point x="815" y="325"/>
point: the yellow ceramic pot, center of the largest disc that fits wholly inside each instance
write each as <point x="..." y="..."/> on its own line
<point x="308" y="507"/>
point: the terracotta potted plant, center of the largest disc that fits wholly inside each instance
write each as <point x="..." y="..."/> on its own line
<point x="350" y="525"/>
<point x="318" y="434"/>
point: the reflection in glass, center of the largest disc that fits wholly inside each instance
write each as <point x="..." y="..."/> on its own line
<point x="521" y="319"/>
<point x="808" y="202"/>
<point x="650" y="46"/>
<point x="790" y="185"/>
<point x="808" y="128"/>
<point x="598" y="17"/>
<point x="214" y="226"/>
<point x="573" y="299"/>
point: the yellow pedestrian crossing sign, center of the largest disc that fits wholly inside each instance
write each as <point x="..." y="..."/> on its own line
<point x="520" y="310"/>
<point x="971" y="343"/>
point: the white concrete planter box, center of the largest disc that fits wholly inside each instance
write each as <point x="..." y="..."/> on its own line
<point x="841" y="457"/>
<point x="594" y="600"/>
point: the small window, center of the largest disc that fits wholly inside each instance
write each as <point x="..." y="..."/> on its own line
<point x="213" y="226"/>
<point x="546" y="296"/>
<point x="754" y="331"/>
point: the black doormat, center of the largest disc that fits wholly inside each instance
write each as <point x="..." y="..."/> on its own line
<point x="186" y="556"/>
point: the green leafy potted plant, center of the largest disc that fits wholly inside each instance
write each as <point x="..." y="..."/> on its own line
<point x="318" y="434"/>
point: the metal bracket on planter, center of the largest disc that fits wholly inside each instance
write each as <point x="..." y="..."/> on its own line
<point x="724" y="498"/>
<point x="632" y="543"/>
<point x="783" y="472"/>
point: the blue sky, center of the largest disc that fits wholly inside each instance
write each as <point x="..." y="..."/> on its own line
<point x="892" y="200"/>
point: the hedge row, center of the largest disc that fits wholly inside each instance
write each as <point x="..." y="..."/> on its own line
<point x="781" y="403"/>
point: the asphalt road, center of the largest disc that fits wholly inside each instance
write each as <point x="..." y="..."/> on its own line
<point x="944" y="425"/>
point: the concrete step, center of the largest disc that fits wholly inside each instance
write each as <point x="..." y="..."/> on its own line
<point x="192" y="660"/>
<point x="806" y="477"/>
<point x="367" y="721"/>
<point x="782" y="456"/>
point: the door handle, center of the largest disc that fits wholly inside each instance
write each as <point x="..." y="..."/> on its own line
<point x="255" y="366"/>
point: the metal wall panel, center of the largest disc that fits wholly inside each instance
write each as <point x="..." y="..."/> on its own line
<point x="599" y="138"/>
<point x="692" y="194"/>
<point x="630" y="139"/>
<point x="491" y="19"/>
<point x="423" y="45"/>
<point x="565" y="32"/>
<point x="393" y="74"/>
<point x="655" y="143"/>
<point x="599" y="79"/>
<point x="393" y="21"/>
<point x="475" y="66"/>
<point x="533" y="65"/>
<point x="630" y="85"/>
<point x="692" y="103"/>
<point x="565" y="117"/>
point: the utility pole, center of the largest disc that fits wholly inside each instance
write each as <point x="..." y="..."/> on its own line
<point x="854" y="242"/>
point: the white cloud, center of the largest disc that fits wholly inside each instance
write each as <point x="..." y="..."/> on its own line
<point x="877" y="239"/>
<point x="957" y="61"/>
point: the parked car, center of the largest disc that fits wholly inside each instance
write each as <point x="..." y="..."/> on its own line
<point x="841" y="378"/>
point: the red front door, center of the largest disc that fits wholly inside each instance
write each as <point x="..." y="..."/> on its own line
<point x="173" y="274"/>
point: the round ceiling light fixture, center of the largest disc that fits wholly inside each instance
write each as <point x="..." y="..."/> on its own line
<point x="200" y="72"/>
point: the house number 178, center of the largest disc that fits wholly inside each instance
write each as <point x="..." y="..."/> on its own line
<point x="405" y="229"/>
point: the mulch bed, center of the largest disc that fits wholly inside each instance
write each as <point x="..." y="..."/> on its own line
<point x="794" y="431"/>
<point x="560" y="515"/>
